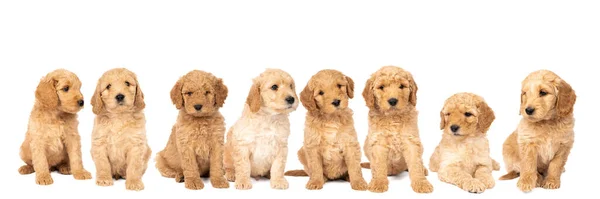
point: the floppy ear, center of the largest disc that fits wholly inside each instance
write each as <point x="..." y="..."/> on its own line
<point x="413" y="92"/>
<point x="368" y="94"/>
<point x="139" y="97"/>
<point x="221" y="93"/>
<point x="253" y="100"/>
<point x="46" y="93"/>
<point x="566" y="99"/>
<point x="486" y="116"/>
<point x="97" y="103"/>
<point x="307" y="99"/>
<point x="523" y="99"/>
<point x="350" y="87"/>
<point x="176" y="95"/>
<point x="442" y="121"/>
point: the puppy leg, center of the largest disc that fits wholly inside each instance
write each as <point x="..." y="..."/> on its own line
<point x="278" y="168"/>
<point x="40" y="163"/>
<point x="556" y="167"/>
<point x="228" y="163"/>
<point x="434" y="161"/>
<point x="241" y="158"/>
<point x="135" y="168"/>
<point x="103" y="167"/>
<point x="352" y="158"/>
<point x="455" y="175"/>
<point x="314" y="168"/>
<point x="217" y="178"/>
<point x="73" y="145"/>
<point x="529" y="172"/>
<point x="484" y="175"/>
<point x="191" y="172"/>
<point x="412" y="150"/>
<point x="379" y="169"/>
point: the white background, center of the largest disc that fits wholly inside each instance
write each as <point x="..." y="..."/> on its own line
<point x="449" y="46"/>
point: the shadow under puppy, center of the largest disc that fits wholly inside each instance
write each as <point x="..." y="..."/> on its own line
<point x="257" y="142"/>
<point x="331" y="150"/>
<point x="463" y="156"/>
<point x="119" y="145"/>
<point x="195" y="147"/>
<point x="393" y="144"/>
<point x="538" y="149"/>
<point x="52" y="141"/>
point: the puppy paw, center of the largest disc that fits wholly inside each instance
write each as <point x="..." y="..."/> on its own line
<point x="378" y="185"/>
<point x="551" y="183"/>
<point x="359" y="184"/>
<point x="473" y="186"/>
<point x="243" y="184"/>
<point x="134" y="185"/>
<point x="314" y="184"/>
<point x="421" y="186"/>
<point x="82" y="175"/>
<point x="489" y="182"/>
<point x="219" y="182"/>
<point x="64" y="169"/>
<point x="179" y="178"/>
<point x="26" y="169"/>
<point x="43" y="179"/>
<point x="104" y="181"/>
<point x="280" y="183"/>
<point x="194" y="183"/>
<point x="230" y="175"/>
<point x="526" y="184"/>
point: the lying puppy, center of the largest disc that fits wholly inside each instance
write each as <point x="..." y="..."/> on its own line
<point x="393" y="139"/>
<point x="195" y="147"/>
<point x="538" y="149"/>
<point x="463" y="156"/>
<point x="331" y="150"/>
<point x="257" y="142"/>
<point x="119" y="145"/>
<point x="52" y="141"/>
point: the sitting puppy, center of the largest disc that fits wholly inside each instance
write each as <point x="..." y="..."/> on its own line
<point x="331" y="150"/>
<point x="393" y="144"/>
<point x="538" y="149"/>
<point x="257" y="142"/>
<point x="52" y="141"/>
<point x="119" y="145"/>
<point x="463" y="156"/>
<point x="195" y="147"/>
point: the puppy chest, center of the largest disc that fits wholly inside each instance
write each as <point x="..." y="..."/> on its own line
<point x="266" y="146"/>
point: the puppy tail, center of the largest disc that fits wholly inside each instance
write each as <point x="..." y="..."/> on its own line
<point x="510" y="175"/>
<point x="366" y="165"/>
<point x="495" y="165"/>
<point x="296" y="173"/>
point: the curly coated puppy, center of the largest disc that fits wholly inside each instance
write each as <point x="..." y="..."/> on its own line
<point x="331" y="150"/>
<point x="463" y="156"/>
<point x="52" y="141"/>
<point x="538" y="150"/>
<point x="257" y="142"/>
<point x="195" y="147"/>
<point x="393" y="144"/>
<point x="119" y="145"/>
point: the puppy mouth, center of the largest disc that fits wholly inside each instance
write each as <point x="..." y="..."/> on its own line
<point x="456" y="134"/>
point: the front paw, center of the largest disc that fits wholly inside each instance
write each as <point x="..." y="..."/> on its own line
<point x="551" y="183"/>
<point x="179" y="178"/>
<point x="489" y="182"/>
<point x="280" y="183"/>
<point x="473" y="186"/>
<point x="526" y="184"/>
<point x="104" y="181"/>
<point x="43" y="179"/>
<point x="378" y="185"/>
<point x="230" y="175"/>
<point x="314" y="184"/>
<point x="194" y="183"/>
<point x="243" y="184"/>
<point x="82" y="175"/>
<point x="359" y="184"/>
<point x="134" y="185"/>
<point x="219" y="182"/>
<point x="421" y="186"/>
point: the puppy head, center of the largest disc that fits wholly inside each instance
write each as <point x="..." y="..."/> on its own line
<point x="390" y="88"/>
<point x="544" y="96"/>
<point x="327" y="91"/>
<point x="118" y="91"/>
<point x="199" y="93"/>
<point x="60" y="90"/>
<point x="466" y="114"/>
<point x="273" y="91"/>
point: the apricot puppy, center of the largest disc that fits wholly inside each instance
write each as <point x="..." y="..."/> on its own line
<point x="331" y="150"/>
<point x="538" y="149"/>
<point x="119" y="145"/>
<point x="52" y="140"/>
<point x="393" y="144"/>
<point x="463" y="156"/>
<point x="195" y="147"/>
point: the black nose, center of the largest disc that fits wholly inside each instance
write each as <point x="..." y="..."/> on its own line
<point x="393" y="101"/>
<point x="454" y="128"/>
<point x="290" y="99"/>
<point x="120" y="97"/>
<point x="529" y="110"/>
<point x="336" y="102"/>
<point x="198" y="107"/>
<point x="80" y="102"/>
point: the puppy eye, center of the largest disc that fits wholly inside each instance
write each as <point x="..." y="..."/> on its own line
<point x="108" y="86"/>
<point x="339" y="86"/>
<point x="189" y="93"/>
<point x="402" y="86"/>
<point x="291" y="86"/>
<point x="207" y="92"/>
<point x="127" y="83"/>
<point x="468" y="114"/>
<point x="543" y="93"/>
<point x="274" y="87"/>
<point x="321" y="93"/>
<point x="447" y="114"/>
<point x="380" y="87"/>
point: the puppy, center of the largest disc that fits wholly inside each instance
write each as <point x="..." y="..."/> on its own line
<point x="195" y="147"/>
<point x="52" y="140"/>
<point x="119" y="145"/>
<point x="393" y="139"/>
<point x="331" y="150"/>
<point x="257" y="142"/>
<point x="538" y="149"/>
<point x="463" y="156"/>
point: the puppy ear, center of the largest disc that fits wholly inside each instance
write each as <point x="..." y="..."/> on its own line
<point x="221" y="93"/>
<point x="176" y="95"/>
<point x="368" y="94"/>
<point x="139" y="97"/>
<point x="350" y="87"/>
<point x="45" y="93"/>
<point x="523" y="100"/>
<point x="442" y="121"/>
<point x="97" y="103"/>
<point x="486" y="116"/>
<point x="254" y="100"/>
<point x="413" y="92"/>
<point x="566" y="99"/>
<point x="307" y="98"/>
